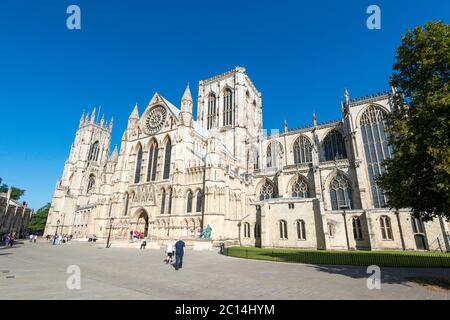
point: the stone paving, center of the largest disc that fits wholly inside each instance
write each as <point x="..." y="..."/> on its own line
<point x="38" y="271"/>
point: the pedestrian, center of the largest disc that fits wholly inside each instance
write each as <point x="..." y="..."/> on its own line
<point x="35" y="238"/>
<point x="31" y="237"/>
<point x="169" y="252"/>
<point x="143" y="244"/>
<point x="179" y="252"/>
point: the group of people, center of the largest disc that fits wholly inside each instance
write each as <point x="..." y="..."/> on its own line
<point x="175" y="249"/>
<point x="33" y="238"/>
<point x="58" y="239"/>
<point x="136" y="234"/>
<point x="8" y="239"/>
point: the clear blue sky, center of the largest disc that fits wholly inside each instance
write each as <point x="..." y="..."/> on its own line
<point x="300" y="55"/>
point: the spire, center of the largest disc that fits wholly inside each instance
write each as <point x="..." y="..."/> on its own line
<point x="135" y="113"/>
<point x="187" y="94"/>
<point x="285" y="125"/>
<point x="111" y="123"/>
<point x="82" y="119"/>
<point x="314" y="119"/>
<point x="86" y="120"/>
<point x="93" y="116"/>
<point x="102" y="121"/>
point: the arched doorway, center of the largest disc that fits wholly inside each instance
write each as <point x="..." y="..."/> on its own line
<point x="142" y="223"/>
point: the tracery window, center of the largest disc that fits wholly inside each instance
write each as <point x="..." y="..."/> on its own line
<point x="169" y="209"/>
<point x="302" y="150"/>
<point x="212" y="111"/>
<point x="269" y="159"/>
<point x="91" y="183"/>
<point x="199" y="204"/>
<point x="167" y="159"/>
<point x="267" y="191"/>
<point x="228" y="108"/>
<point x="189" y="201"/>
<point x="94" y="151"/>
<point x="163" y="201"/>
<point x="341" y="193"/>
<point x="137" y="175"/>
<point x="334" y="146"/>
<point x="376" y="150"/>
<point x="152" y="161"/>
<point x="300" y="189"/>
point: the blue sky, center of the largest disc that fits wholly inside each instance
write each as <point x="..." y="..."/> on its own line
<point x="299" y="54"/>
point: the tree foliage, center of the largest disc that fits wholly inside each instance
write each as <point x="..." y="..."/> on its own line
<point x="16" y="193"/>
<point x="418" y="175"/>
<point x="38" y="220"/>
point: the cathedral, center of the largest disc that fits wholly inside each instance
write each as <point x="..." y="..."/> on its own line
<point x="175" y="174"/>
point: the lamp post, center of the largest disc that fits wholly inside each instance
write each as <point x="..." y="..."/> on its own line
<point x="111" y="220"/>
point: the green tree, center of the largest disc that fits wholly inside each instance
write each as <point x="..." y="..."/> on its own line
<point x="16" y="193"/>
<point x="38" y="220"/>
<point x="418" y="175"/>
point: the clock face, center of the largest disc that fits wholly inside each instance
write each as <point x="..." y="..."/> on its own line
<point x="155" y="119"/>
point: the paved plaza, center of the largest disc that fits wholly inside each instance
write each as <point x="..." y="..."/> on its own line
<point x="38" y="271"/>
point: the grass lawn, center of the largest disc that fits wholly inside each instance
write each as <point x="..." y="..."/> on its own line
<point x="356" y="258"/>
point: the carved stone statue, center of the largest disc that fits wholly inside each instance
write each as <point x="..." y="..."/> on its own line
<point x="206" y="234"/>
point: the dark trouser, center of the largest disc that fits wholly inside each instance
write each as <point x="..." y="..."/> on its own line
<point x="179" y="261"/>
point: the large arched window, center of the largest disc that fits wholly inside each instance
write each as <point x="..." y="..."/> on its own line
<point x="189" y="201"/>
<point x="167" y="156"/>
<point x="376" y="150"/>
<point x="301" y="230"/>
<point x="386" y="229"/>
<point x="93" y="152"/>
<point x="137" y="174"/>
<point x="341" y="193"/>
<point x="163" y="202"/>
<point x="334" y="146"/>
<point x="357" y="229"/>
<point x="269" y="160"/>
<point x="283" y="229"/>
<point x="267" y="191"/>
<point x="212" y="111"/>
<point x="227" y="107"/>
<point x="199" y="201"/>
<point x="300" y="188"/>
<point x="152" y="161"/>
<point x="91" y="183"/>
<point x="302" y="150"/>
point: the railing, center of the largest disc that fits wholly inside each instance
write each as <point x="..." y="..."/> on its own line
<point x="355" y="258"/>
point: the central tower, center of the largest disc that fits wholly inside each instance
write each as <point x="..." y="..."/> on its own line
<point x="230" y="106"/>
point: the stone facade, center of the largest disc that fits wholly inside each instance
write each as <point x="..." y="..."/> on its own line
<point x="309" y="187"/>
<point x="14" y="216"/>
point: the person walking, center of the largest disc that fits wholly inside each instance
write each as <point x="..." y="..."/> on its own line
<point x="169" y="252"/>
<point x="179" y="252"/>
<point x="143" y="244"/>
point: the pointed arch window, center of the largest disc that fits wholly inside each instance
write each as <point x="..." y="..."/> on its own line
<point x="300" y="188"/>
<point x="283" y="229"/>
<point x="246" y="230"/>
<point x="189" y="201"/>
<point x="199" y="202"/>
<point x="163" y="202"/>
<point x="341" y="193"/>
<point x="167" y="156"/>
<point x="228" y="108"/>
<point x="301" y="230"/>
<point x="94" y="151"/>
<point x="376" y="150"/>
<point x="357" y="229"/>
<point x="137" y="175"/>
<point x="212" y="112"/>
<point x="386" y="228"/>
<point x="91" y="183"/>
<point x="169" y="209"/>
<point x="334" y="146"/>
<point x="267" y="191"/>
<point x="152" y="161"/>
<point x="302" y="150"/>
